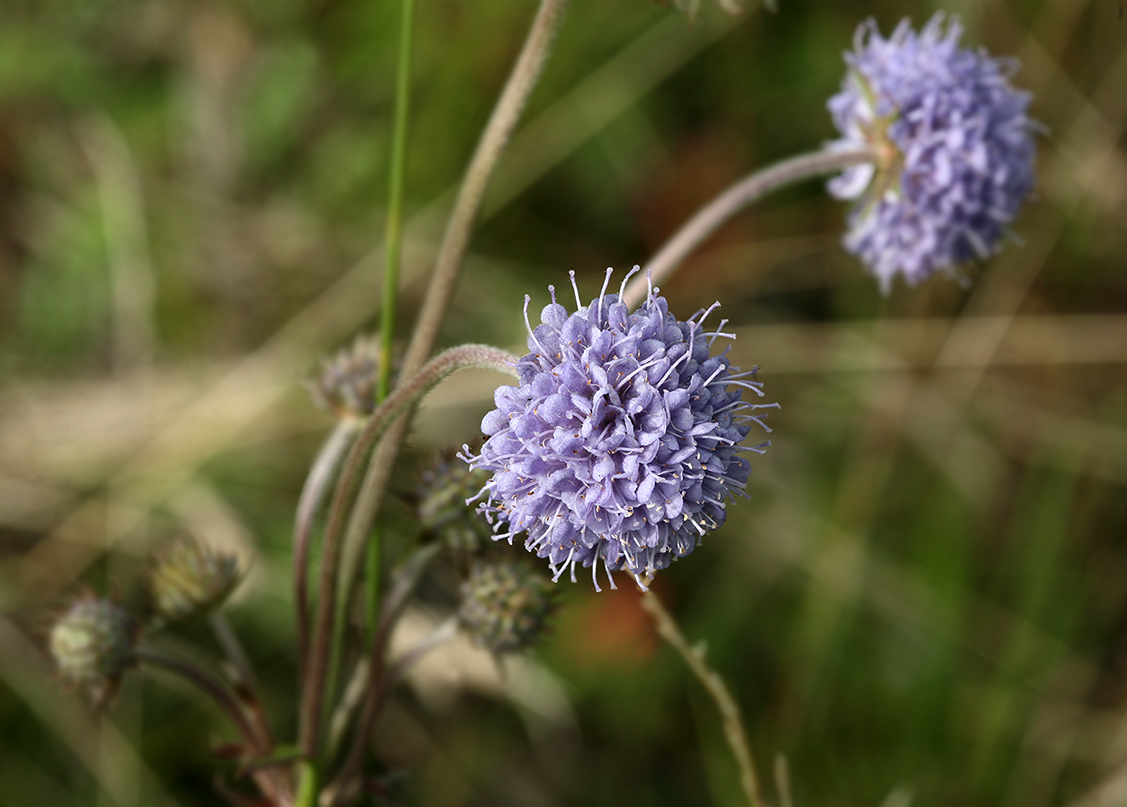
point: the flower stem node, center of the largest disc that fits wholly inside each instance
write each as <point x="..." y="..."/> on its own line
<point x="189" y="577"/>
<point x="955" y="150"/>
<point x="621" y="444"/>
<point x="505" y="605"/>
<point x="92" y="645"/>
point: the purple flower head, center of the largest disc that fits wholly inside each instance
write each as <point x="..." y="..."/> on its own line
<point x="621" y="444"/>
<point x="955" y="150"/>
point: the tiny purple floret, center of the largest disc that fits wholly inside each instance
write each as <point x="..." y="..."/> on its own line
<point x="621" y="445"/>
<point x="955" y="150"/>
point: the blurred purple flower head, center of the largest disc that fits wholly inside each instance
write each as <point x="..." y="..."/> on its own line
<point x="955" y="150"/>
<point x="92" y="644"/>
<point x="621" y="444"/>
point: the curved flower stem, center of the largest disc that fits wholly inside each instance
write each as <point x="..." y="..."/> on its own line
<point x="211" y="687"/>
<point x="255" y="732"/>
<point x="317" y="486"/>
<point x="752" y="187"/>
<point x="451" y="253"/>
<point x="406" y="395"/>
<point x="717" y="690"/>
<point x="471" y="194"/>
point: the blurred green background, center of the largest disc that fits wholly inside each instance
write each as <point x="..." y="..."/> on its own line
<point x="924" y="600"/>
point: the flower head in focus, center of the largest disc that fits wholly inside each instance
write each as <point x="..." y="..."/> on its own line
<point x="92" y="644"/>
<point x="621" y="444"/>
<point x="954" y="148"/>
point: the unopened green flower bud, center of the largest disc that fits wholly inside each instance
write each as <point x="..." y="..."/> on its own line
<point x="349" y="379"/>
<point x="92" y="645"/>
<point x="442" y="509"/>
<point x="189" y="577"/>
<point x="505" y="605"/>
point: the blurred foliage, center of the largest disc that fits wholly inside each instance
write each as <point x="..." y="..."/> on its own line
<point x="924" y="595"/>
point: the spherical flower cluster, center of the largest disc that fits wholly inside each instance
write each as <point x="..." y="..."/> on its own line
<point x="92" y="645"/>
<point x="621" y="444"/>
<point x="954" y="149"/>
<point x="505" y="605"/>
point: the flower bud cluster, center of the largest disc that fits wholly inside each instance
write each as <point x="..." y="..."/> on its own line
<point x="92" y="645"/>
<point x="505" y="605"/>
<point x="189" y="578"/>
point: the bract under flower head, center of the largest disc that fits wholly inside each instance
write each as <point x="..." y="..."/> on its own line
<point x="621" y="443"/>
<point x="955" y="149"/>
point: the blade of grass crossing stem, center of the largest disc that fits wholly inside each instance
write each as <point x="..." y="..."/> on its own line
<point x="390" y="298"/>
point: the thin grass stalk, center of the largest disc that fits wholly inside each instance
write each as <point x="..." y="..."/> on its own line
<point x="401" y="400"/>
<point x="467" y="208"/>
<point x="390" y="301"/>
<point x="749" y="189"/>
<point x="717" y="690"/>
<point x="394" y="227"/>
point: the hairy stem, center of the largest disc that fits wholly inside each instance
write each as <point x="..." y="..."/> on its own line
<point x="709" y="218"/>
<point x="313" y="495"/>
<point x="729" y="710"/>
<point x="402" y="399"/>
<point x="471" y="194"/>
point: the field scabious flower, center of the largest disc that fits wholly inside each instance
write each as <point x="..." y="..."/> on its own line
<point x="955" y="150"/>
<point x="621" y="443"/>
